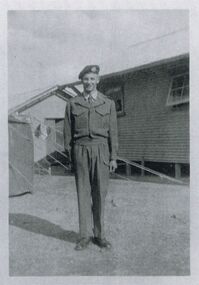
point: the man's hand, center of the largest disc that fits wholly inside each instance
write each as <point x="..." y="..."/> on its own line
<point x="113" y="166"/>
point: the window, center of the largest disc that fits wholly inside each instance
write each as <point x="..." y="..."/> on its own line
<point x="179" y="90"/>
<point x="116" y="93"/>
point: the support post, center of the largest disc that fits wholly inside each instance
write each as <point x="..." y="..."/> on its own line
<point x="128" y="169"/>
<point x="177" y="170"/>
<point x="142" y="163"/>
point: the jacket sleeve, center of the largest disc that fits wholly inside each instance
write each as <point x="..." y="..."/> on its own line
<point x="113" y="132"/>
<point x="67" y="130"/>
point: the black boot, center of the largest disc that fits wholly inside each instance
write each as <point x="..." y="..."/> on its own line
<point x="102" y="242"/>
<point x="82" y="244"/>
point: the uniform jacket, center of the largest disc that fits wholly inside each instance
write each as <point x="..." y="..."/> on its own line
<point x="97" y="121"/>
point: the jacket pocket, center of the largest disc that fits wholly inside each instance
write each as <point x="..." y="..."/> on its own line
<point x="80" y="118"/>
<point x="78" y="112"/>
<point x="102" y="111"/>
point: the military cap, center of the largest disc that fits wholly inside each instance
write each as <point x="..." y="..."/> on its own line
<point x="88" y="69"/>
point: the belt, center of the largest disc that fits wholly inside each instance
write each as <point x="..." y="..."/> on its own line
<point x="91" y="141"/>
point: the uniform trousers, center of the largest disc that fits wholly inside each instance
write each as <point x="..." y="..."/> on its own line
<point x="91" y="165"/>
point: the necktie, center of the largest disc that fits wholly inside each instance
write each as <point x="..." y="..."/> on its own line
<point x="90" y="99"/>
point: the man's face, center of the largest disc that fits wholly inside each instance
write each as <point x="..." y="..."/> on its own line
<point x="90" y="81"/>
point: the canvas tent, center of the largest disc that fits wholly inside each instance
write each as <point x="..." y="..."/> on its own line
<point x="21" y="156"/>
<point x="27" y="137"/>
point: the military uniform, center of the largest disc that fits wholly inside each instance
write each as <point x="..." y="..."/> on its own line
<point x="90" y="136"/>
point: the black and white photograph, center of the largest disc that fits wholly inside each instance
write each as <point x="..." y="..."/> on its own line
<point x="99" y="138"/>
<point x="98" y="125"/>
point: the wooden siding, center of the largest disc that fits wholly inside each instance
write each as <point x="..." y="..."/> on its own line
<point x="150" y="130"/>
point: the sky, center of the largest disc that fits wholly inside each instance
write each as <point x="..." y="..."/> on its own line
<point x="50" y="47"/>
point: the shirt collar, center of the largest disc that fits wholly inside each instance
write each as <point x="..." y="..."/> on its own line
<point x="93" y="95"/>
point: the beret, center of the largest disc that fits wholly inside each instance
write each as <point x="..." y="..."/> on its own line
<point x="88" y="69"/>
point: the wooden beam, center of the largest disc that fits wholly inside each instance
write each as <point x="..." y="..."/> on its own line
<point x="61" y="96"/>
<point x="177" y="170"/>
<point x="128" y="169"/>
<point x="33" y="101"/>
<point x="142" y="169"/>
<point x="75" y="90"/>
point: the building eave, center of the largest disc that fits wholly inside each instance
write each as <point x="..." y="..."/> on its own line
<point x="67" y="95"/>
<point x="133" y="69"/>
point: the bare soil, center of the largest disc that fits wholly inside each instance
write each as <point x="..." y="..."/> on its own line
<point x="147" y="224"/>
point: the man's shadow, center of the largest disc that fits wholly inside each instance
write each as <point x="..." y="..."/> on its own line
<point x="41" y="226"/>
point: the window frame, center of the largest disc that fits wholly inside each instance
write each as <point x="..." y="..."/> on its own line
<point x="110" y="93"/>
<point x="181" y="100"/>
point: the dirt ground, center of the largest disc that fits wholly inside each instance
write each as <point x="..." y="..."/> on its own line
<point x="147" y="224"/>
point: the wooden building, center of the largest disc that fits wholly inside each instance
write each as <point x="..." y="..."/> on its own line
<point x="152" y="104"/>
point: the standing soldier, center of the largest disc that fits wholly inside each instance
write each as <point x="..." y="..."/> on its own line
<point x="90" y="136"/>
